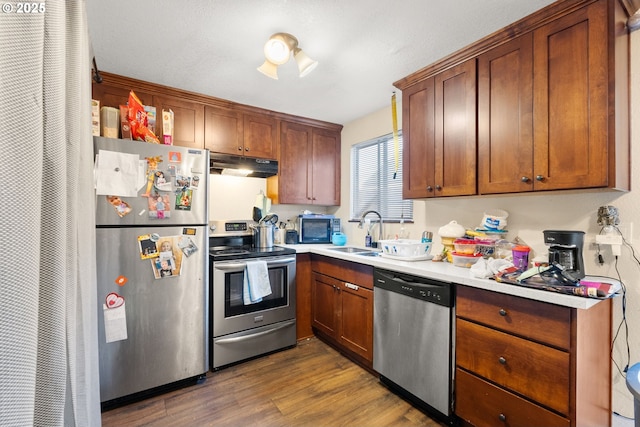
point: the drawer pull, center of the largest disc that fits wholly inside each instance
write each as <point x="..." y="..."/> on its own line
<point x="502" y="312"/>
<point x="502" y="360"/>
<point x="502" y="417"/>
<point x="351" y="286"/>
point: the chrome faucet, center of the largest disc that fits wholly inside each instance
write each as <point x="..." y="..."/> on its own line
<point x="379" y="228"/>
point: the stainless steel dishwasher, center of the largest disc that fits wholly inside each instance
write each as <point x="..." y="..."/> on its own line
<point x="413" y="339"/>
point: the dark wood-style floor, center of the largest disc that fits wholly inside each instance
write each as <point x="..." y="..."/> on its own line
<point x="309" y="385"/>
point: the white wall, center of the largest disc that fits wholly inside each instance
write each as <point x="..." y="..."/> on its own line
<point x="529" y="215"/>
<point x="233" y="197"/>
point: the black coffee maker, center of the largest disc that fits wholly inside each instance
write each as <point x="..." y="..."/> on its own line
<point x="565" y="249"/>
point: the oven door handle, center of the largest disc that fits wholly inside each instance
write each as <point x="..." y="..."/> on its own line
<point x="258" y="334"/>
<point x="239" y="266"/>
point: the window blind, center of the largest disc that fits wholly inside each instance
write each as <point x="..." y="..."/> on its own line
<point x="373" y="186"/>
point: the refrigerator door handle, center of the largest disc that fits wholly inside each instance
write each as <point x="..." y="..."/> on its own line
<point x="258" y="334"/>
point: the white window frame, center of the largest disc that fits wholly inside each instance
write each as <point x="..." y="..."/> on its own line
<point x="374" y="160"/>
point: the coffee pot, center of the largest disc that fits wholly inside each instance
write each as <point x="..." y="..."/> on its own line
<point x="565" y="249"/>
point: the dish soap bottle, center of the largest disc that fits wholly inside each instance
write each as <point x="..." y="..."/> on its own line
<point x="368" y="240"/>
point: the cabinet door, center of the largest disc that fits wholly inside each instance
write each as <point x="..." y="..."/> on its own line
<point x="295" y="154"/>
<point x="324" y="291"/>
<point x="455" y="147"/>
<point x="324" y="167"/>
<point x="188" y="121"/>
<point x="115" y="96"/>
<point x="355" y="317"/>
<point x="570" y="100"/>
<point x="418" y="139"/>
<point x="505" y="121"/>
<point x="223" y="130"/>
<point x="260" y="136"/>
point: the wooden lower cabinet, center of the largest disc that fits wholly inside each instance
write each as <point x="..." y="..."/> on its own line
<point x="303" y="296"/>
<point x="342" y="307"/>
<point x="521" y="362"/>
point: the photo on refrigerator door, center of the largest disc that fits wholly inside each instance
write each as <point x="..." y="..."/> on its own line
<point x="183" y="199"/>
<point x="169" y="261"/>
<point x="159" y="206"/>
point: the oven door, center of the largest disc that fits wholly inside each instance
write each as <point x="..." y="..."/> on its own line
<point x="231" y="315"/>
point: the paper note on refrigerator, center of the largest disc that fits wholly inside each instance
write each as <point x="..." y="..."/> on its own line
<point x="115" y="323"/>
<point x="118" y="174"/>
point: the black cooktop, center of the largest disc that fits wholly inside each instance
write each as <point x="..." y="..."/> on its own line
<point x="239" y="253"/>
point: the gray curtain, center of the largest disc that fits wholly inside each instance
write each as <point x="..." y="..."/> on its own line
<point x="48" y="331"/>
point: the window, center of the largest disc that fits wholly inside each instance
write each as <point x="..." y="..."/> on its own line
<point x="373" y="185"/>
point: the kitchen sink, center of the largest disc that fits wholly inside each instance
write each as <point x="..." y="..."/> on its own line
<point x="369" y="253"/>
<point x="354" y="250"/>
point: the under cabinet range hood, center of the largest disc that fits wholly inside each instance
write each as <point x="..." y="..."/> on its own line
<point x="226" y="164"/>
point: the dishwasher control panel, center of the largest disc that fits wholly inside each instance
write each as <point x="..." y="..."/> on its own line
<point x="416" y="287"/>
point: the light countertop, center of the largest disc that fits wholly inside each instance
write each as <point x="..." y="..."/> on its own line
<point x="447" y="272"/>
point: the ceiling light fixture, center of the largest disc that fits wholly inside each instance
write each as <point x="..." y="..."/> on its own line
<point x="634" y="21"/>
<point x="277" y="51"/>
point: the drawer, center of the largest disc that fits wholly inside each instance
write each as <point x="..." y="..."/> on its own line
<point x="346" y="271"/>
<point x="539" y="321"/>
<point x="534" y="370"/>
<point x="486" y="405"/>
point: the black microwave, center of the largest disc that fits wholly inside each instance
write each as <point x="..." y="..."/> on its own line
<point x="317" y="228"/>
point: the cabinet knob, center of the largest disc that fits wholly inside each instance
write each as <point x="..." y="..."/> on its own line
<point x="429" y="188"/>
<point x="525" y="179"/>
<point x="539" y="178"/>
<point x="502" y="360"/>
<point x="239" y="148"/>
<point x="246" y="149"/>
<point x="502" y="417"/>
<point x="438" y="187"/>
<point x="502" y="312"/>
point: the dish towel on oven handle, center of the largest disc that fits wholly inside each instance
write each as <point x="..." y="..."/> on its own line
<point x="256" y="282"/>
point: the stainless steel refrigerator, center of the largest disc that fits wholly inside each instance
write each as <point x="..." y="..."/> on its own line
<point x="152" y="266"/>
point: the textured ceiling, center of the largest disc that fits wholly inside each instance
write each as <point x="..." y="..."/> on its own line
<point x="213" y="47"/>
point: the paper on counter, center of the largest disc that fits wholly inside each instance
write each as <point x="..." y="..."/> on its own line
<point x="119" y="174"/>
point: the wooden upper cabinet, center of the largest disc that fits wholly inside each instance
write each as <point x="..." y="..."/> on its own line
<point x="505" y="118"/>
<point x="308" y="166"/>
<point x="324" y="167"/>
<point x="571" y="101"/>
<point x="295" y="152"/>
<point x="455" y="130"/>
<point x="114" y="95"/>
<point x="418" y="136"/>
<point x="223" y="131"/>
<point x="439" y="134"/>
<point x="230" y="131"/>
<point x="260" y="136"/>
<point x="552" y="108"/>
<point x="188" y="120"/>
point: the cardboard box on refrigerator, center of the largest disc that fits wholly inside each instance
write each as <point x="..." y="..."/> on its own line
<point x="95" y="117"/>
<point x="125" y="128"/>
<point x="109" y="122"/>
<point x="167" y="127"/>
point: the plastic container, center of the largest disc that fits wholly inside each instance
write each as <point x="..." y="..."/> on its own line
<point x="521" y="257"/>
<point x="405" y="247"/>
<point x="464" y="246"/>
<point x="495" y="219"/>
<point x="485" y="246"/>
<point x="464" y="260"/>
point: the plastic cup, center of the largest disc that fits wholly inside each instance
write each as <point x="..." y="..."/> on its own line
<point x="521" y="257"/>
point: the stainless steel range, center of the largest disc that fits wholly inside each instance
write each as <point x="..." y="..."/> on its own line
<point x="241" y="330"/>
